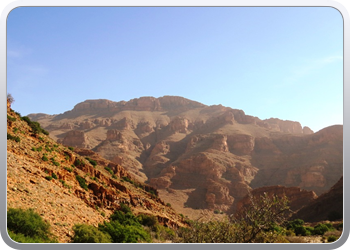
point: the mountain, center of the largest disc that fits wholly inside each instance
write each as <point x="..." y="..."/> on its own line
<point x="198" y="156"/>
<point x="69" y="186"/>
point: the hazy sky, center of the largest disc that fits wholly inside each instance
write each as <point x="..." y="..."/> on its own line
<point x="282" y="62"/>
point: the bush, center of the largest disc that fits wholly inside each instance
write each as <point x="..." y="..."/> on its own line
<point x="89" y="234"/>
<point x="21" y="238"/>
<point x="295" y="223"/>
<point x="125" y="227"/>
<point x="35" y="126"/>
<point x="11" y="118"/>
<point x="54" y="176"/>
<point x="15" y="138"/>
<point x="109" y="170"/>
<point x="332" y="238"/>
<point x="125" y="233"/>
<point x="27" y="223"/>
<point x="93" y="162"/>
<point x="68" y="169"/>
<point x="148" y="220"/>
<point x="303" y="231"/>
<point x="44" y="158"/>
<point x="78" y="162"/>
<point x="49" y="178"/>
<point x="127" y="179"/>
<point x="82" y="182"/>
<point x="320" y="229"/>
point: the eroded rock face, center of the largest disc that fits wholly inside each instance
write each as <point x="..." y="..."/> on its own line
<point x="179" y="125"/>
<point x="296" y="196"/>
<point x="175" y="143"/>
<point x="75" y="138"/>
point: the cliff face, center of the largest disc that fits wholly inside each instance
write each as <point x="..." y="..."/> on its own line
<point x="202" y="157"/>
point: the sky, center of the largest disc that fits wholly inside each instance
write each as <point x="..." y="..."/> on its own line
<point x="280" y="62"/>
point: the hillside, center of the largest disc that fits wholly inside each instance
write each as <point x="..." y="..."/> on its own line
<point x="67" y="188"/>
<point x="201" y="157"/>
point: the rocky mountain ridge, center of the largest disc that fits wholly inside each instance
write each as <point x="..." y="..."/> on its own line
<point x="202" y="157"/>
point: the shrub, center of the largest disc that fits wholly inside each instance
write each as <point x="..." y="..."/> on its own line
<point x="11" y="118"/>
<point x="109" y="170"/>
<point x="15" y="138"/>
<point x="320" y="229"/>
<point x="93" y="162"/>
<point x="21" y="238"/>
<point x="68" y="169"/>
<point x="44" y="158"/>
<point x="125" y="233"/>
<point x="71" y="148"/>
<point x="49" y="178"/>
<point x="125" y="227"/>
<point x="82" y="182"/>
<point x="35" y="126"/>
<point x="332" y="238"/>
<point x="148" y="220"/>
<point x="89" y="234"/>
<point x="127" y="179"/>
<point x="78" y="162"/>
<point x="56" y="163"/>
<point x="303" y="231"/>
<point x="54" y="176"/>
<point x="27" y="225"/>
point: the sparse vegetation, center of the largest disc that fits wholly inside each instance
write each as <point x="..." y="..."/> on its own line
<point x="35" y="126"/>
<point x="11" y="137"/>
<point x="11" y="118"/>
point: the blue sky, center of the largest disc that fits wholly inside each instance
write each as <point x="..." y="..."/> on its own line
<point x="277" y="62"/>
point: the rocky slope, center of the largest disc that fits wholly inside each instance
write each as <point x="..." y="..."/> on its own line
<point x="328" y="206"/>
<point x="42" y="174"/>
<point x="198" y="156"/>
